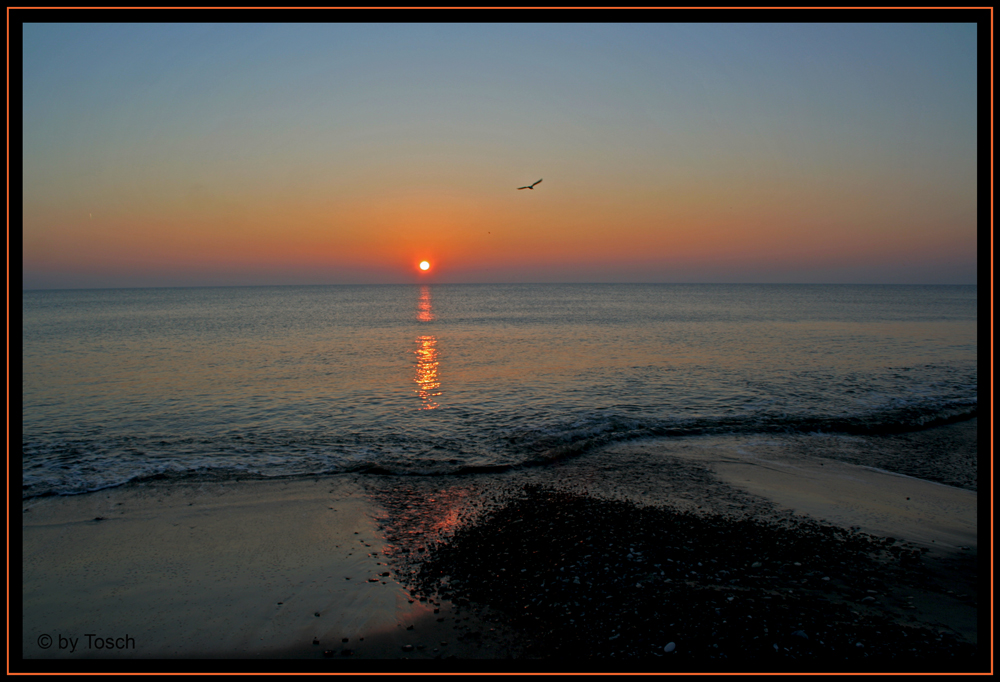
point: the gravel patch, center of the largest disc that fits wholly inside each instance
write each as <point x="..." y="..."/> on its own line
<point x="667" y="589"/>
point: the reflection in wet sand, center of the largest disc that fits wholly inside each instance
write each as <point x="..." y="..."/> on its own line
<point x="417" y="515"/>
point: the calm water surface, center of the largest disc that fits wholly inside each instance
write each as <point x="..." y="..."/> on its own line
<point x="436" y="379"/>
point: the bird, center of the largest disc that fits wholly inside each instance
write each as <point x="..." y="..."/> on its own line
<point x="531" y="186"/>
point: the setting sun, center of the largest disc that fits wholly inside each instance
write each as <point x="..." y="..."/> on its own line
<point x="424" y="265"/>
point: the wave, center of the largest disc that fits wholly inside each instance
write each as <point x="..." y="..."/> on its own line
<point x="552" y="446"/>
<point x="84" y="465"/>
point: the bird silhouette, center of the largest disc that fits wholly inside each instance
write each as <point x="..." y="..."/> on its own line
<point x="531" y="186"/>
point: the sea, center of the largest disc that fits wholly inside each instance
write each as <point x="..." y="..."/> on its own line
<point x="125" y="385"/>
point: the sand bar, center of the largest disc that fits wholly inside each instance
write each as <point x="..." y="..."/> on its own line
<point x="878" y="502"/>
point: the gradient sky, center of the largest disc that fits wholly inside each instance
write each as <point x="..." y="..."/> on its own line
<point x="238" y="154"/>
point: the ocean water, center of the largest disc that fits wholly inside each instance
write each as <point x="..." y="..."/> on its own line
<point x="128" y="384"/>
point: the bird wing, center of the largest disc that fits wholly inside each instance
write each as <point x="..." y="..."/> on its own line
<point x="524" y="188"/>
<point x="535" y="183"/>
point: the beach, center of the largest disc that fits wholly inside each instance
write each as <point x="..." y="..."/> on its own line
<point x="739" y="562"/>
<point x="485" y="348"/>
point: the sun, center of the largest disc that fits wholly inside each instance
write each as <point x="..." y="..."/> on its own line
<point x="425" y="266"/>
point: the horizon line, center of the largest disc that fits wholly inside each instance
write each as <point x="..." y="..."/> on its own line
<point x="379" y="284"/>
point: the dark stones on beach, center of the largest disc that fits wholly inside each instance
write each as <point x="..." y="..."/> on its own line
<point x="738" y="591"/>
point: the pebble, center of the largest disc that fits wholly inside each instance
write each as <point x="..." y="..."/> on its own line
<point x="548" y="605"/>
<point x="407" y="647"/>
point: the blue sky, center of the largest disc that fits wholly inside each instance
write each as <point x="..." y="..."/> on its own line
<point x="315" y="153"/>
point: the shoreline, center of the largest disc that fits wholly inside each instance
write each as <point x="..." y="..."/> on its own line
<point x="239" y="569"/>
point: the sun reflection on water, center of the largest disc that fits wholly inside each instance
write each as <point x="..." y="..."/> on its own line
<point x="424" y="312"/>
<point x="426" y="376"/>
<point x="427" y="372"/>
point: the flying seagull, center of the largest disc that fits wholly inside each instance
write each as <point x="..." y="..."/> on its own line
<point x="531" y="186"/>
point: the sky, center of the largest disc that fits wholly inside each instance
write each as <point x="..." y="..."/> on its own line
<point x="263" y="154"/>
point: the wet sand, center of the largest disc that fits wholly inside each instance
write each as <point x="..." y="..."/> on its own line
<point x="263" y="569"/>
<point x="241" y="569"/>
